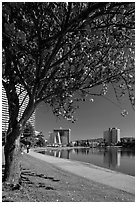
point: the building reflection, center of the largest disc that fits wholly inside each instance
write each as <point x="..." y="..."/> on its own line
<point x="112" y="157"/>
<point x="61" y="154"/>
<point x="82" y="150"/>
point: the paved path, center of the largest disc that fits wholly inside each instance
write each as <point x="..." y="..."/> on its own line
<point x="101" y="175"/>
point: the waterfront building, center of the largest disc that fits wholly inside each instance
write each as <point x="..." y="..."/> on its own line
<point x="5" y="112"/>
<point x="59" y="137"/>
<point x="107" y="136"/>
<point x="115" y="135"/>
<point x="63" y="136"/>
<point x="112" y="136"/>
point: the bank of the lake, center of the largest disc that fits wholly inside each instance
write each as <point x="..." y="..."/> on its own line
<point x="43" y="182"/>
<point x="114" y="158"/>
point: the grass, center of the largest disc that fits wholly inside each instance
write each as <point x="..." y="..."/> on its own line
<point x="42" y="182"/>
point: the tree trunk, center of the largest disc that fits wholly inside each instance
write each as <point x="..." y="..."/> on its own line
<point x="12" y="152"/>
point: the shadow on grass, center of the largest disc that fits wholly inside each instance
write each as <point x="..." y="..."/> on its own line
<point x="26" y="183"/>
<point x="26" y="173"/>
<point x="29" y="173"/>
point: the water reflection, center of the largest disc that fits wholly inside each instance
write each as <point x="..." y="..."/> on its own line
<point x="82" y="150"/>
<point x="127" y="152"/>
<point x="57" y="153"/>
<point x="112" y="158"/>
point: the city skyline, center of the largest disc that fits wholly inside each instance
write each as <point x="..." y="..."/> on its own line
<point x="93" y="118"/>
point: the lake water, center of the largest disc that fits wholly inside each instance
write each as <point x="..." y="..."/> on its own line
<point x="117" y="159"/>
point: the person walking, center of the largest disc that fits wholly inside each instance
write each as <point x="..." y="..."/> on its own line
<point x="28" y="147"/>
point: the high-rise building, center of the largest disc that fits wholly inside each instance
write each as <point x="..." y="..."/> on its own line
<point x="115" y="135"/>
<point x="59" y="137"/>
<point x="112" y="136"/>
<point x="5" y="114"/>
<point x="22" y="101"/>
<point x="63" y="136"/>
<point x="107" y="136"/>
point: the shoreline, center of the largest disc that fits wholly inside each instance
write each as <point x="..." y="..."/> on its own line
<point x="95" y="173"/>
<point x="48" y="149"/>
<point x="59" y="148"/>
<point x="75" y="147"/>
<point x="46" y="182"/>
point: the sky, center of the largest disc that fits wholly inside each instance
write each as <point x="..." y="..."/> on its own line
<point x="93" y="118"/>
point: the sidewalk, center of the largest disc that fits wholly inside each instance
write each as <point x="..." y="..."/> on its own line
<point x="91" y="172"/>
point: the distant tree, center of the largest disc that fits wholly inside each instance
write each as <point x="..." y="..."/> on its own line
<point x="58" y="52"/>
<point x="28" y="130"/>
<point x="28" y="134"/>
<point x="41" y="141"/>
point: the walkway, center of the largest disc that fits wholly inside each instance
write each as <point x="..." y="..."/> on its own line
<point x="101" y="175"/>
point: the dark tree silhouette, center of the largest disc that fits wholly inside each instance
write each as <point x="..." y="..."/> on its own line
<point x="57" y="53"/>
<point x="28" y="135"/>
<point x="28" y="130"/>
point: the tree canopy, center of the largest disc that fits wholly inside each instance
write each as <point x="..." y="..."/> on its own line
<point x="59" y="51"/>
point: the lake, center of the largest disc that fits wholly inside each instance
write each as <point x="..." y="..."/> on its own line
<point x="114" y="158"/>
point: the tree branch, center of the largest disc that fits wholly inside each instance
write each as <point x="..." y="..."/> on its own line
<point x="64" y="57"/>
<point x="23" y="100"/>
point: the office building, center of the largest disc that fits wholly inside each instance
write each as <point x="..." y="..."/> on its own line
<point x="115" y="134"/>
<point x="107" y="136"/>
<point x="59" y="137"/>
<point x="22" y="102"/>
<point x="112" y="136"/>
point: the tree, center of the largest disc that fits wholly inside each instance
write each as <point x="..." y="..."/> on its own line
<point x="57" y="53"/>
<point x="41" y="141"/>
<point x="28" y="130"/>
<point x="28" y="134"/>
